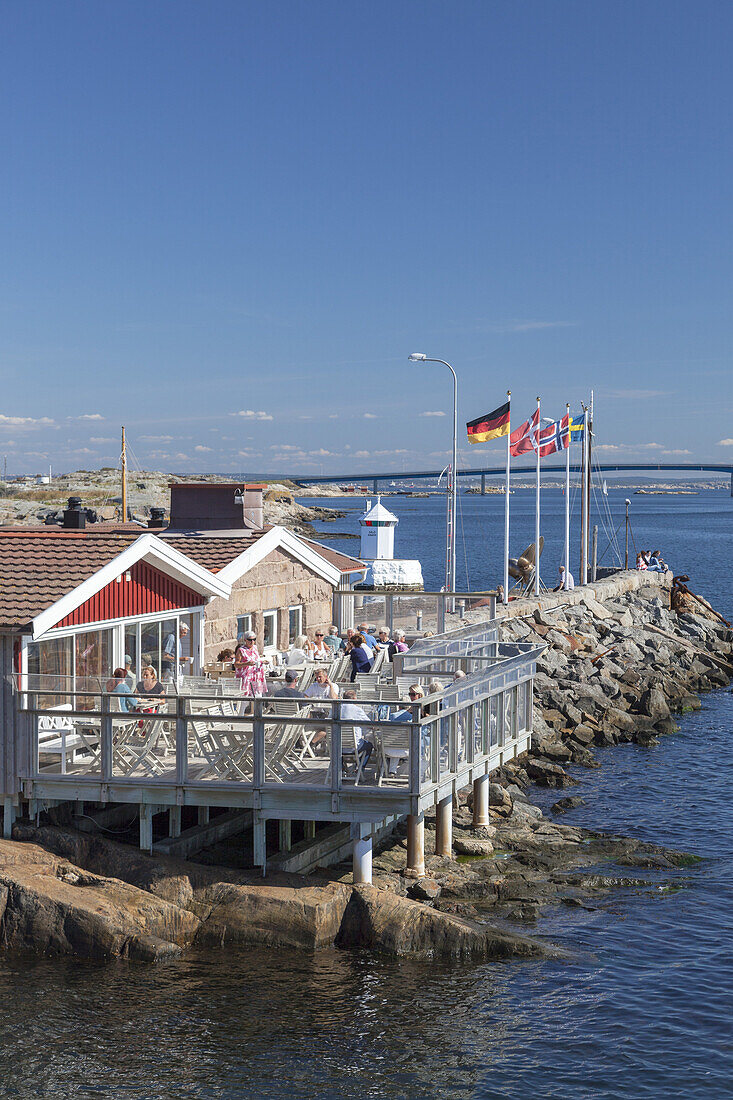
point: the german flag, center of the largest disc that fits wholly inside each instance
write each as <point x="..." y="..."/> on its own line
<point x="490" y="426"/>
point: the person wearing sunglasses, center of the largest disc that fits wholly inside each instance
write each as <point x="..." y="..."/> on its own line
<point x="319" y="650"/>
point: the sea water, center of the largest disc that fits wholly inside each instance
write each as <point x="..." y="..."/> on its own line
<point x="641" y="1008"/>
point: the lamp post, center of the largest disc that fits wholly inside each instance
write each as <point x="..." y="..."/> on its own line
<point x="419" y="357"/>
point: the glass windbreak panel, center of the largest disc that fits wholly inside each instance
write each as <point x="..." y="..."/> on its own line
<point x="479" y="724"/>
<point x="295" y="623"/>
<point x="150" y="646"/>
<point x="93" y="664"/>
<point x="414" y="614"/>
<point x="372" y="614"/>
<point x="51" y="670"/>
<point x="269" y="630"/>
<point x="220" y="748"/>
<point x="132" y="650"/>
<point x="143" y="747"/>
<point x="528" y="705"/>
<point x="169" y="650"/>
<point x="463" y="729"/>
<point x="68" y="744"/>
<point x="510" y="713"/>
<point x="521" y="704"/>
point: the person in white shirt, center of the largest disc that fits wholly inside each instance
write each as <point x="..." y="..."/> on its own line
<point x="352" y="712"/>
<point x="321" y="688"/>
<point x="566" y="581"/>
<point x="320" y="651"/>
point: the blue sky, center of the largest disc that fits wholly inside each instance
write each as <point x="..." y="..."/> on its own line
<point x="226" y="225"/>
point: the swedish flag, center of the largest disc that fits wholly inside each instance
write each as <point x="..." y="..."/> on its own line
<point x="577" y="428"/>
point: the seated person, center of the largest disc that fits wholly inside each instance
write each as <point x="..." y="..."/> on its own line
<point x="383" y="639"/>
<point x="567" y="581"/>
<point x="399" y="645"/>
<point x="320" y="651"/>
<point x="290" y="689"/>
<point x="366" y="632"/>
<point x="321" y="688"/>
<point x="362" y="656"/>
<point x="118" y="685"/>
<point x="640" y="562"/>
<point x="152" y="690"/>
<point x="352" y="712"/>
<point x="415" y="694"/>
<point x="333" y="641"/>
<point x="655" y="564"/>
<point x="299" y="651"/>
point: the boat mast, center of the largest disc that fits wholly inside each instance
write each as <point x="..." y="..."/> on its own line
<point x="123" y="466"/>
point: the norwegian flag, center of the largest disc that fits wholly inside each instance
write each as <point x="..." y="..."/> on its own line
<point x="555" y="437"/>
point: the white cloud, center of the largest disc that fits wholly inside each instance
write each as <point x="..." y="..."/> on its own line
<point x="362" y="454"/>
<point x="632" y="448"/>
<point x="156" y="438"/>
<point x="677" y="452"/>
<point x="333" y="416"/>
<point x="182" y="457"/>
<point x="86" y="416"/>
<point x="283" y="447"/>
<point x="725" y="442"/>
<point x="200" y="448"/>
<point x="439" y="412"/>
<point x="251" y="414"/>
<point x="25" y="421"/>
<point x="100" y="439"/>
<point x="322" y="453"/>
<point x="245" y="454"/>
<point x="370" y="416"/>
<point x="82" y="451"/>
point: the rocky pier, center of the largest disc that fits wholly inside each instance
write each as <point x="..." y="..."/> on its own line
<point x="625" y="659"/>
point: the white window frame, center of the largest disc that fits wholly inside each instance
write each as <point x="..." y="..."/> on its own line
<point x="241" y="619"/>
<point x="299" y="608"/>
<point x="271" y="612"/>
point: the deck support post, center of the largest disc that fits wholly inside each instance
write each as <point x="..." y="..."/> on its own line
<point x="310" y="830"/>
<point x="415" y="846"/>
<point x="10" y="812"/>
<point x="444" y="827"/>
<point x="285" y="835"/>
<point x="146" y="827"/>
<point x="174" y="821"/>
<point x="483" y="485"/>
<point x="259" y="837"/>
<point x="481" y="801"/>
<point x="203" y="815"/>
<point x="362" y="853"/>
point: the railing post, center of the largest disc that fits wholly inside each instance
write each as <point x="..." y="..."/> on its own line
<point x="336" y="749"/>
<point x="441" y="613"/>
<point x="105" y="738"/>
<point x="415" y="753"/>
<point x="258" y="738"/>
<point x="181" y="742"/>
<point x="389" y="612"/>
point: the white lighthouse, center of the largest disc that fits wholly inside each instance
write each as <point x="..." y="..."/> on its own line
<point x="377" y="548"/>
<point x="377" y="531"/>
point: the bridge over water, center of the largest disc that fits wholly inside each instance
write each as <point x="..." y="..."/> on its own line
<point x="495" y="471"/>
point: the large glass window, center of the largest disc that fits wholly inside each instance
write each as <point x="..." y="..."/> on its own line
<point x="244" y="623"/>
<point x="295" y="623"/>
<point x="269" y="630"/>
<point x="92" y="663"/>
<point x="51" y="669"/>
<point x="130" y="649"/>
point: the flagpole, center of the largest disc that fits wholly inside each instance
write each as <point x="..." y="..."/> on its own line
<point x="567" y="499"/>
<point x="537" y="511"/>
<point x="584" y="500"/>
<point x="506" y="501"/>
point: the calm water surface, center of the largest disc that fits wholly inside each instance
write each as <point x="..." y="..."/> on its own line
<point x="642" y="1009"/>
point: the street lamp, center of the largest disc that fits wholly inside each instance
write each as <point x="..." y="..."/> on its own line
<point x="450" y="564"/>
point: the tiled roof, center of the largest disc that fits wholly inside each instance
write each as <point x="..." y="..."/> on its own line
<point x="342" y="561"/>
<point x="38" y="567"/>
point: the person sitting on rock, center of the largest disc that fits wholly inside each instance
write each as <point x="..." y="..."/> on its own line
<point x="567" y="581"/>
<point x="655" y="564"/>
<point x="640" y="563"/>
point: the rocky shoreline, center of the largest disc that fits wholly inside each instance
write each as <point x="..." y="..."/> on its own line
<point x="619" y="666"/>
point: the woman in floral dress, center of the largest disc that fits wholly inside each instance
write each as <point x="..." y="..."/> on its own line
<point x="249" y="667"/>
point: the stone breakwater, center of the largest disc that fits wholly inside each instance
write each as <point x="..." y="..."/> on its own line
<point x="619" y="666"/>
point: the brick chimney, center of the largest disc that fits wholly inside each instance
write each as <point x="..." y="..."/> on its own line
<point x="203" y="506"/>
